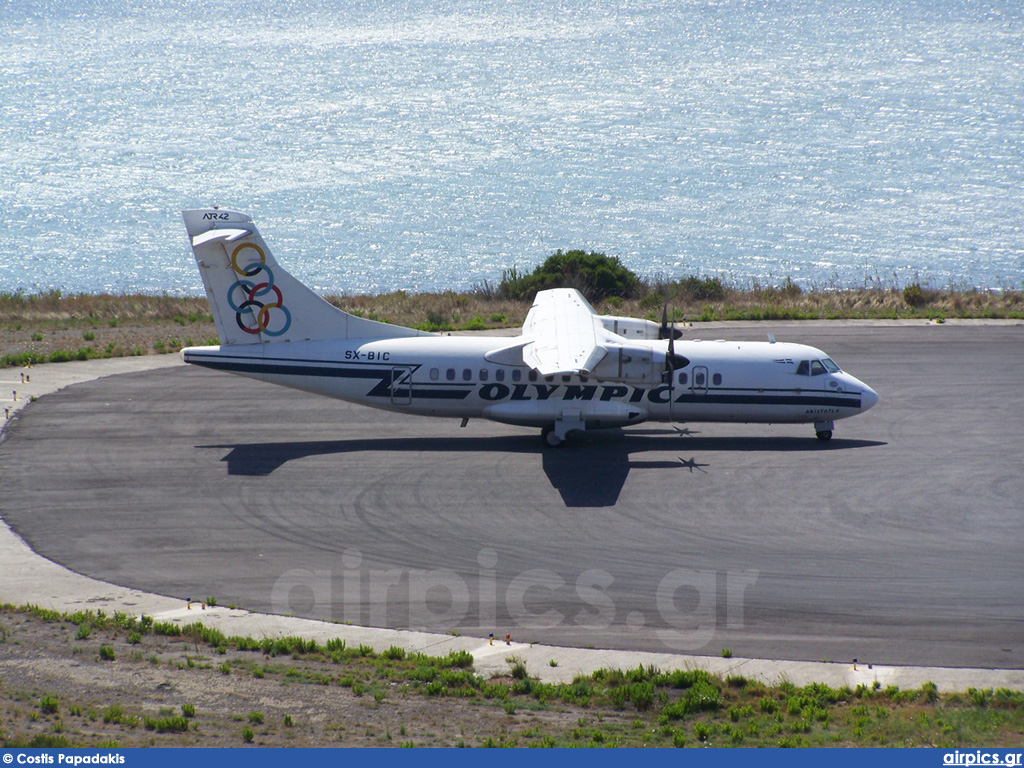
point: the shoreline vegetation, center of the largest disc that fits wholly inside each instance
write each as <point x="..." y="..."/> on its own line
<point x="53" y="327"/>
<point x="137" y="682"/>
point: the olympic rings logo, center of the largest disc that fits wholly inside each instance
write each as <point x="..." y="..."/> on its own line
<point x="248" y="296"/>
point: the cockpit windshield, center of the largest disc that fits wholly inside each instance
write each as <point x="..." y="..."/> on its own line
<point x="816" y="367"/>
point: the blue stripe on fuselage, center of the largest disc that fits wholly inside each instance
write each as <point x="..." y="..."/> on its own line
<point x="383" y="373"/>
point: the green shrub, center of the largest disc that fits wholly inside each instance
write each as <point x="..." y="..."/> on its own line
<point x="166" y="628"/>
<point x="49" y="705"/>
<point x="107" y="653"/>
<point x="642" y="695"/>
<point x="174" y="724"/>
<point x="595" y="275"/>
<point x="768" y="705"/>
<point x="914" y="295"/>
<point x="517" y="668"/>
<point x="247" y="735"/>
<point x="699" y="288"/>
<point x="188" y="710"/>
<point x="460" y="659"/>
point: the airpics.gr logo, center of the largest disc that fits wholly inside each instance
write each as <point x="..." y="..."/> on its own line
<point x="246" y="296"/>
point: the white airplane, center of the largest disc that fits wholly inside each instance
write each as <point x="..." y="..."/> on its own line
<point x="569" y="370"/>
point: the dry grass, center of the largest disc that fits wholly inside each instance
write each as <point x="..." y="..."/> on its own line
<point x="196" y="687"/>
<point x="86" y="325"/>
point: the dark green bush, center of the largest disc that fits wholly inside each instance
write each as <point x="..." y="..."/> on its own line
<point x="595" y="275"/>
<point x="914" y="295"/>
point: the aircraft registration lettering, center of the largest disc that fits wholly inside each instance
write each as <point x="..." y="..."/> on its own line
<point x="355" y="354"/>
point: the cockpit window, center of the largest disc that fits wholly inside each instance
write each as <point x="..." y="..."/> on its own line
<point x="830" y="366"/>
<point x="804" y="369"/>
<point x="817" y="368"/>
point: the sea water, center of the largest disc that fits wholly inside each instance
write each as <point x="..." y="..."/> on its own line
<point x="431" y="144"/>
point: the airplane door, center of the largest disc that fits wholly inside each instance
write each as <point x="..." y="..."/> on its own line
<point x="699" y="379"/>
<point x="401" y="385"/>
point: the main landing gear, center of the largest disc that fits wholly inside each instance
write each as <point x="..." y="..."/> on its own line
<point x="557" y="433"/>
<point x="550" y="438"/>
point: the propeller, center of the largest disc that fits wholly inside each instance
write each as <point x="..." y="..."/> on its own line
<point x="673" y="362"/>
<point x="666" y="331"/>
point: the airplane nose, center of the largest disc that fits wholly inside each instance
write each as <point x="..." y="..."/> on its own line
<point x="868" y="397"/>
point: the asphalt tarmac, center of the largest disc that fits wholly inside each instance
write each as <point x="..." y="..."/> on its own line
<point x="899" y="542"/>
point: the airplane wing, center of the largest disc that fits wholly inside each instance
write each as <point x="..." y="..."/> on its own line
<point x="565" y="334"/>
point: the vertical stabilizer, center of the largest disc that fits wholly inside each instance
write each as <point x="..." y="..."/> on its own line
<point x="252" y="297"/>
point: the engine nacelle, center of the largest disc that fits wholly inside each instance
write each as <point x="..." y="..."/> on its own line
<point x="631" y="327"/>
<point x="630" y="365"/>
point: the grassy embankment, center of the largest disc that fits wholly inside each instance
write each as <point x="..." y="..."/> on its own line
<point x="140" y="682"/>
<point x="52" y="327"/>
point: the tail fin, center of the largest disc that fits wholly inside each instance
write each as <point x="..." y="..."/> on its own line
<point x="253" y="298"/>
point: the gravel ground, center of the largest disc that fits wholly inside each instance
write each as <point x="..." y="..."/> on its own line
<point x="159" y="675"/>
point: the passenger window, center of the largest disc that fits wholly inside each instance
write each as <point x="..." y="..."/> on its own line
<point x="466" y="374"/>
<point x="517" y="375"/>
<point x="716" y="379"/>
<point x="566" y="379"/>
<point x="532" y="376"/>
<point x="817" y="368"/>
<point x="803" y="369"/>
<point x="499" y="375"/>
<point x="483" y="374"/>
<point x="450" y="374"/>
<point x="434" y="374"/>
<point x="682" y="378"/>
<point x="698" y="379"/>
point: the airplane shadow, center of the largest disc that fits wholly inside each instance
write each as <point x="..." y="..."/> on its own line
<point x="590" y="471"/>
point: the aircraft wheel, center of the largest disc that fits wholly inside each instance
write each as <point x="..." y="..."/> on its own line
<point x="551" y="437"/>
<point x="825" y="435"/>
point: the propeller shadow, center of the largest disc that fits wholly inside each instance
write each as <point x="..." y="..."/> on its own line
<point x="589" y="472"/>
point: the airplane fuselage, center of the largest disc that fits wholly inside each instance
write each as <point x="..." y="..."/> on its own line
<point x="753" y="382"/>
